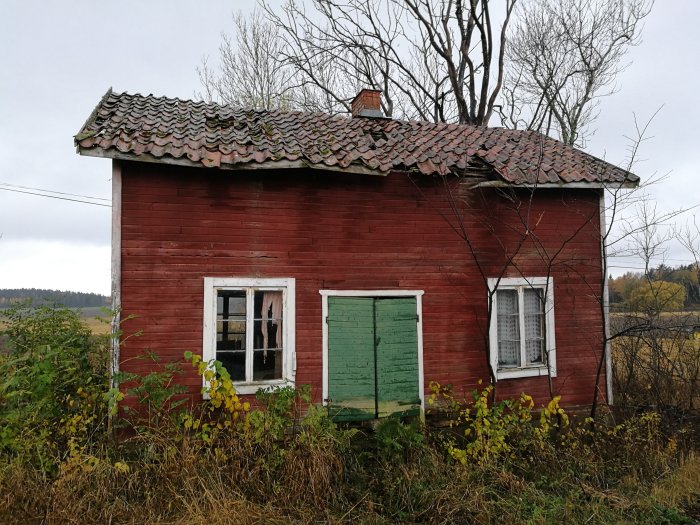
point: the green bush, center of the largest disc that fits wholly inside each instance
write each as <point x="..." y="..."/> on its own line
<point x="399" y="440"/>
<point x="53" y="377"/>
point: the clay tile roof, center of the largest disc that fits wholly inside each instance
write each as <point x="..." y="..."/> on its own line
<point x="159" y="129"/>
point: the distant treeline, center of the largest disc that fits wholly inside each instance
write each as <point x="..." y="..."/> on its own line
<point x="680" y="284"/>
<point x="8" y="297"/>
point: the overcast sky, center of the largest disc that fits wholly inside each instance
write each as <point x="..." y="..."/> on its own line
<point x="58" y="58"/>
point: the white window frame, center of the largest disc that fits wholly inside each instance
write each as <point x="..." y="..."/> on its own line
<point x="510" y="283"/>
<point x="212" y="285"/>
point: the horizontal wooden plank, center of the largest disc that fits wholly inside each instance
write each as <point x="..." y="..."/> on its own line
<point x="181" y="225"/>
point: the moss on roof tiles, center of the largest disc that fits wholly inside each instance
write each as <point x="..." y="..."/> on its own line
<point x="270" y="136"/>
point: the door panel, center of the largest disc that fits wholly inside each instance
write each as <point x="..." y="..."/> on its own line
<point x="372" y="357"/>
<point x="396" y="341"/>
<point x="351" y="366"/>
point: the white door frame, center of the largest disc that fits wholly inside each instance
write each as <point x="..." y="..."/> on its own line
<point x="370" y="294"/>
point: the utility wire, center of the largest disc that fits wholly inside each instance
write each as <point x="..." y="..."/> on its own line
<point x="53" y="191"/>
<point x="57" y="197"/>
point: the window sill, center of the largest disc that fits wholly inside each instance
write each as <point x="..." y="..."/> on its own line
<point x="514" y="373"/>
<point x="252" y="388"/>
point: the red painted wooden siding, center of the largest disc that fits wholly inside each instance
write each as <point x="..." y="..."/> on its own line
<point x="339" y="231"/>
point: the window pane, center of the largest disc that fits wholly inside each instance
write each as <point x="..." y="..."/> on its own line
<point x="231" y="320"/>
<point x="534" y="349"/>
<point x="533" y="299"/>
<point x="267" y="335"/>
<point x="507" y="302"/>
<point x="267" y="364"/>
<point x="234" y="363"/>
<point x="267" y="332"/>
<point x="235" y="326"/>
<point x="507" y="320"/>
<point x="534" y="326"/>
<point x="236" y="303"/>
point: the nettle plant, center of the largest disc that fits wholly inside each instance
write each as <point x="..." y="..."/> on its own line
<point x="157" y="393"/>
<point x="164" y="404"/>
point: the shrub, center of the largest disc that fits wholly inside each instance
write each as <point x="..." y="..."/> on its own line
<point x="52" y="383"/>
<point x="398" y="440"/>
<point x="489" y="431"/>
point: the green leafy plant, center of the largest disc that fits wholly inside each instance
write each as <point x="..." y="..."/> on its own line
<point x="281" y="409"/>
<point x="223" y="411"/>
<point x="396" y="439"/>
<point x="157" y="393"/>
<point x="52" y="382"/>
<point x="490" y="431"/>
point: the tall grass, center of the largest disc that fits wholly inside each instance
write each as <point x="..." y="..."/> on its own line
<point x="657" y="366"/>
<point x="322" y="484"/>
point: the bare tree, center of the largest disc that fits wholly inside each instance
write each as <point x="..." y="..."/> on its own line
<point x="630" y="225"/>
<point x="435" y="60"/>
<point x="689" y="238"/>
<point x="563" y="56"/>
<point x="657" y="360"/>
<point x="440" y="61"/>
<point x="627" y="223"/>
<point x="446" y="61"/>
<point x="249" y="74"/>
<point x="514" y="244"/>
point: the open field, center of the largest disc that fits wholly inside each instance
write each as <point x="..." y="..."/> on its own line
<point x="96" y="318"/>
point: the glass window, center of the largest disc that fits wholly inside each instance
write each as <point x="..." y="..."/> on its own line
<point x="522" y="327"/>
<point x="250" y="326"/>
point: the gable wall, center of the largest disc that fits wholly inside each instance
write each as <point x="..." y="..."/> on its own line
<point x="337" y="231"/>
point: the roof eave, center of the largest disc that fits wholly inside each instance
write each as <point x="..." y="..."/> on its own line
<point x="627" y="184"/>
<point x="267" y="165"/>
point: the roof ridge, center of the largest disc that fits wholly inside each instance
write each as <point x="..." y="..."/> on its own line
<point x="454" y="125"/>
<point x="228" y="106"/>
<point x="343" y="117"/>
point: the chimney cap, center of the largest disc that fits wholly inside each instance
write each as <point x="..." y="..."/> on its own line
<point x="367" y="103"/>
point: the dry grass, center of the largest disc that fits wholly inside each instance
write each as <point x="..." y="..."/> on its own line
<point x="189" y="484"/>
<point x="96" y="326"/>
<point x="278" y="468"/>
<point x="658" y="367"/>
<point x="681" y="487"/>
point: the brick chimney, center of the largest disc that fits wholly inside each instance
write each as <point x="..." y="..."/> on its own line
<point x="367" y="103"/>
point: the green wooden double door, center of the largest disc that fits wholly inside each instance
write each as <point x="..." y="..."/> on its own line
<point x="373" y="367"/>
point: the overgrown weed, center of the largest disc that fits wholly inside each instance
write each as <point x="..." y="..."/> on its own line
<point x="287" y="462"/>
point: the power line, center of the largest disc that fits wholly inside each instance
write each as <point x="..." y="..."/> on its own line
<point x="53" y="191"/>
<point x="57" y="197"/>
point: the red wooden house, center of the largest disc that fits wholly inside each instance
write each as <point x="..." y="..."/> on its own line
<point x="354" y="253"/>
